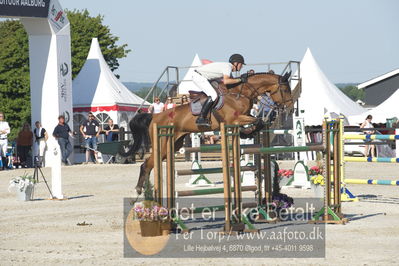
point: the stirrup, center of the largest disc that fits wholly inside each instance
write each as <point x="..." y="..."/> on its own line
<point x="201" y="121"/>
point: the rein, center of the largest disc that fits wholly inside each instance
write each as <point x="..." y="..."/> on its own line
<point x="255" y="93"/>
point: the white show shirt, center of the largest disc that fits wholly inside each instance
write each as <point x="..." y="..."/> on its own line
<point x="215" y="70"/>
<point x="4" y="127"/>
<point x="169" y="106"/>
<point x="157" y="107"/>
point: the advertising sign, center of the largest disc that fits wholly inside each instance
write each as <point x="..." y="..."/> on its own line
<point x="24" y="8"/>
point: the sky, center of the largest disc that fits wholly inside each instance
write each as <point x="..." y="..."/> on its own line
<point x="353" y="41"/>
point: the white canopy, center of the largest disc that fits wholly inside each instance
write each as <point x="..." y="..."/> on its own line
<point x="387" y="109"/>
<point x="186" y="83"/>
<point x="97" y="87"/>
<point x="319" y="96"/>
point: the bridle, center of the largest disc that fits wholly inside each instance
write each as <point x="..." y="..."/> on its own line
<point x="255" y="93"/>
<point x="279" y="90"/>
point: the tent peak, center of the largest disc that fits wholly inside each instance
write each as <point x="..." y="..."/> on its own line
<point x="95" y="50"/>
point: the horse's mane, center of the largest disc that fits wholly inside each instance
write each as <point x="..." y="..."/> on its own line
<point x="262" y="73"/>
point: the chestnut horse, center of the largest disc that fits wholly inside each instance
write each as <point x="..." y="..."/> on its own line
<point x="238" y="102"/>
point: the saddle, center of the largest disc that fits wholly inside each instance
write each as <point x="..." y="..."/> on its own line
<point x="197" y="98"/>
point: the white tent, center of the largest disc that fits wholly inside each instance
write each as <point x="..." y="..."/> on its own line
<point x="97" y="90"/>
<point x="387" y="109"/>
<point x="186" y="83"/>
<point x="319" y="96"/>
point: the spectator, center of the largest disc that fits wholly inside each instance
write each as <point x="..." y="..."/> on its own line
<point x="156" y="107"/>
<point x="211" y="138"/>
<point x="90" y="130"/>
<point x="266" y="107"/>
<point x="251" y="72"/>
<point x="4" y="131"/>
<point x="169" y="104"/>
<point x="62" y="132"/>
<point x="254" y="110"/>
<point x="41" y="137"/>
<point x="24" y="144"/>
<point x="184" y="99"/>
<point x="111" y="131"/>
<point x="367" y="124"/>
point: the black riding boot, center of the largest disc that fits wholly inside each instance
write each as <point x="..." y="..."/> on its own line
<point x="203" y="120"/>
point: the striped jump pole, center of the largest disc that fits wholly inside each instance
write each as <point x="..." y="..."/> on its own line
<point x="372" y="137"/>
<point x="372" y="182"/>
<point x="371" y="159"/>
<point x="368" y="159"/>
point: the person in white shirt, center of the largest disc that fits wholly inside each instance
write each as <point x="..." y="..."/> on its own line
<point x="4" y="131"/>
<point x="367" y="147"/>
<point x="40" y="135"/>
<point x="169" y="104"/>
<point x="202" y="75"/>
<point x="157" y="107"/>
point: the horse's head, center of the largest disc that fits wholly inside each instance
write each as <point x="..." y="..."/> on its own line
<point x="277" y="86"/>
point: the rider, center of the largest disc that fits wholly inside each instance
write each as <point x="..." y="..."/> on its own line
<point x="202" y="75"/>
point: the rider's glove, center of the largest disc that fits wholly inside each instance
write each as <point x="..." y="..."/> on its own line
<point x="244" y="78"/>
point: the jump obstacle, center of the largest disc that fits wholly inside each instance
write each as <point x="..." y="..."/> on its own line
<point x="198" y="173"/>
<point x="231" y="153"/>
<point x="344" y="159"/>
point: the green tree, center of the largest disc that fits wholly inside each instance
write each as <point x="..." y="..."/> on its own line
<point x="14" y="60"/>
<point x="14" y="75"/>
<point x="83" y="29"/>
<point x="353" y="92"/>
<point x="143" y="93"/>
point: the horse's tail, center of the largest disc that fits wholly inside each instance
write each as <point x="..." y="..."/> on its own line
<point x="276" y="181"/>
<point x="139" y="126"/>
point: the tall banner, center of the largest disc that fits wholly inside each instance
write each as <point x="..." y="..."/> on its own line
<point x="50" y="70"/>
<point x="299" y="131"/>
<point x="65" y="78"/>
<point x="299" y="135"/>
<point x="57" y="17"/>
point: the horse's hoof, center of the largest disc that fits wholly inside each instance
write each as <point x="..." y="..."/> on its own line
<point x="139" y="190"/>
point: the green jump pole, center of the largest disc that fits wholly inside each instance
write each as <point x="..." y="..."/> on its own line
<point x="213" y="148"/>
<point x="266" y="150"/>
<point x="208" y="191"/>
<point x="211" y="170"/>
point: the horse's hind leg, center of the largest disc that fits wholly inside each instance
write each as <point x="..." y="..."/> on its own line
<point x="148" y="165"/>
<point x="145" y="171"/>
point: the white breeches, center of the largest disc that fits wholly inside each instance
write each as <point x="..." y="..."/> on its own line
<point x="3" y="147"/>
<point x="204" y="85"/>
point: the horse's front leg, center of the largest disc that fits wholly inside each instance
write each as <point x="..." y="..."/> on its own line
<point x="255" y="123"/>
<point x="246" y="120"/>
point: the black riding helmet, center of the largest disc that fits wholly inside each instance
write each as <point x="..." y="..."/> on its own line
<point x="237" y="58"/>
